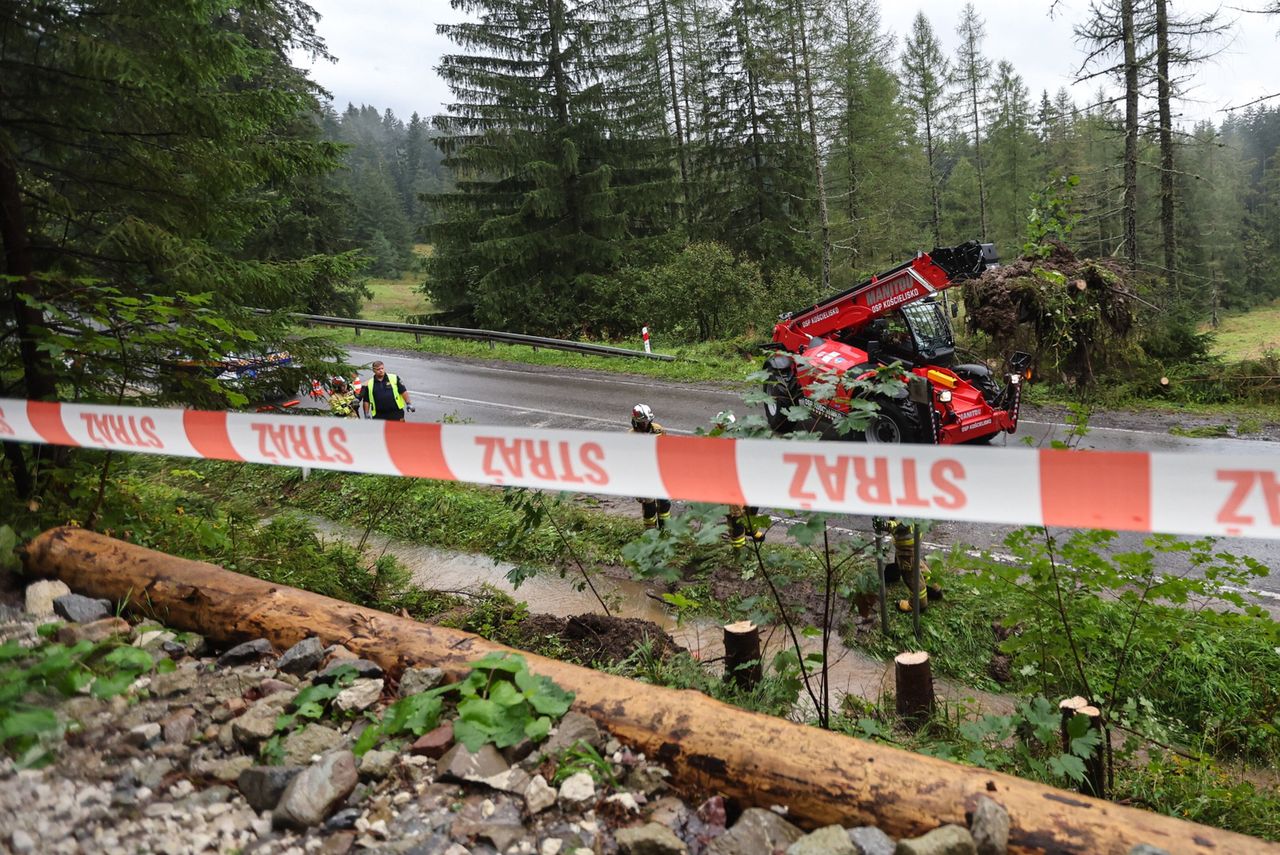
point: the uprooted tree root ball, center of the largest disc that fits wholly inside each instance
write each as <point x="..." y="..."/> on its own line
<point x="1075" y="316"/>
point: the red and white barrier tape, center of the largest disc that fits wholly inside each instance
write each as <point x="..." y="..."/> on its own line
<point x="1135" y="491"/>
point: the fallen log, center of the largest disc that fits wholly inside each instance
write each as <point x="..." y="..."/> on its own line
<point x="759" y="760"/>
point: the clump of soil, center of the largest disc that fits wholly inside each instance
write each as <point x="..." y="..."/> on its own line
<point x="1069" y="313"/>
<point x="597" y="640"/>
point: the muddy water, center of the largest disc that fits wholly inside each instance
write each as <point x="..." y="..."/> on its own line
<point x="851" y="671"/>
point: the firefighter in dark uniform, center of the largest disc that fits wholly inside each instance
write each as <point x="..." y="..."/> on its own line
<point x="656" y="512"/>
<point x="742" y="519"/>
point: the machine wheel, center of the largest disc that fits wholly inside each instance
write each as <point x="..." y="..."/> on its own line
<point x="982" y="440"/>
<point x="895" y="423"/>
<point x="780" y="397"/>
<point x="981" y="378"/>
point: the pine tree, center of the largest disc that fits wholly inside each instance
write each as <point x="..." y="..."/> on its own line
<point x="971" y="73"/>
<point x="1015" y="167"/>
<point x="925" y="75"/>
<point x="563" y="172"/>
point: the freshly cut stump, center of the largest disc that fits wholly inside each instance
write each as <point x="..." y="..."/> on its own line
<point x="742" y="663"/>
<point x="914" y="679"/>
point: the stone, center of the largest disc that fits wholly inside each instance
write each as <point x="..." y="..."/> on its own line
<point x="80" y="609"/>
<point x="434" y="743"/>
<point x="574" y="727"/>
<point x="947" y="840"/>
<point x="227" y="770"/>
<point x="514" y="781"/>
<point x="1147" y="849"/>
<point x="40" y="596"/>
<point x="20" y="842"/>
<point x="757" y="830"/>
<point x="250" y="651"/>
<point x="831" y="840"/>
<point x="417" y="680"/>
<point x="304" y="656"/>
<point x="271" y="687"/>
<point x="144" y="735"/>
<point x="647" y="779"/>
<point x="301" y="745"/>
<point x="153" y="639"/>
<point x="98" y="630"/>
<point x="343" y="819"/>
<point x="578" y="789"/>
<point x="459" y="764"/>
<point x="539" y="795"/>
<point x="176" y="682"/>
<point x="990" y="827"/>
<point x="259" y="721"/>
<point x="364" y="669"/>
<point x="262" y="786"/>
<point x="650" y="839"/>
<point x="869" y="840"/>
<point x="377" y="764"/>
<point x="359" y="696"/>
<point x="316" y="791"/>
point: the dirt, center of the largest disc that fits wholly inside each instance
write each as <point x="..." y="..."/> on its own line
<point x="596" y="640"/>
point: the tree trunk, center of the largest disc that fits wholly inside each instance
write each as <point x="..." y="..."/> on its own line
<point x="913" y="679"/>
<point x="742" y="662"/>
<point x="758" y="760"/>
<point x="1166" y="143"/>
<point x="824" y="221"/>
<point x="1130" y="133"/>
<point x="675" y="106"/>
<point x="977" y="160"/>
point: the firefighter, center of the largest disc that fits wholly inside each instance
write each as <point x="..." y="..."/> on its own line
<point x="904" y="556"/>
<point x="656" y="512"/>
<point x="740" y="518"/>
<point x="342" y="403"/>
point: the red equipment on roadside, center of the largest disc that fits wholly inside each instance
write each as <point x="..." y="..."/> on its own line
<point x="894" y="318"/>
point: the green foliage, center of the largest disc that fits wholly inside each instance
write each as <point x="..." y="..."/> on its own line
<point x="1051" y="217"/>
<point x="581" y="757"/>
<point x="29" y="729"/>
<point x="501" y="703"/>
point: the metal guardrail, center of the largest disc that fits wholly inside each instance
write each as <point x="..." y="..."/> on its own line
<point x="419" y="330"/>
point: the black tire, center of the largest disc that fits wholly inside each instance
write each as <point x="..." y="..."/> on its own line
<point x="982" y="440"/>
<point x="981" y="379"/>
<point x="895" y="423"/>
<point x="780" y="397"/>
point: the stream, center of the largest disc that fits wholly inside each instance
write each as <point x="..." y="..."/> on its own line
<point x="851" y="671"/>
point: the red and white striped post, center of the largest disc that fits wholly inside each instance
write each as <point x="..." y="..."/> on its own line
<point x="644" y="333"/>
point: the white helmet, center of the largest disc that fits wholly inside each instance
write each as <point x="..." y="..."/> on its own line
<point x="641" y="417"/>
<point x="724" y="418"/>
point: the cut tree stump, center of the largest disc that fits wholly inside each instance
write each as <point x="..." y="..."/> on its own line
<point x="1095" y="766"/>
<point x="913" y="678"/>
<point x="742" y="663"/>
<point x="757" y="760"/>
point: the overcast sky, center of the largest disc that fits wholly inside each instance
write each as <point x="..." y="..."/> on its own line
<point x="386" y="50"/>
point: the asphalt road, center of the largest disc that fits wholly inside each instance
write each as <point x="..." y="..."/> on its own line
<point x="534" y="396"/>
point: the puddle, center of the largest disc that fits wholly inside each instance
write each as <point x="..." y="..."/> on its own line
<point x="852" y="671"/>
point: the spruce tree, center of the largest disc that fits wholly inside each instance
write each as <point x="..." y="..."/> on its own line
<point x="564" y="175"/>
<point x="925" y="76"/>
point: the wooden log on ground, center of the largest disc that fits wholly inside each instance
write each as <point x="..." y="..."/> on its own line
<point x="742" y="662"/>
<point x="755" y="759"/>
<point x="913" y="681"/>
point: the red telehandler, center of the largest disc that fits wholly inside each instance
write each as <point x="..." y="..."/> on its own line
<point x="893" y="318"/>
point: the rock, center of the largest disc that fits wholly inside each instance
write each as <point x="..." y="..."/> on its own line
<point x="259" y="722"/>
<point x="177" y="682"/>
<point x="144" y="735"/>
<point x="1147" y="849"/>
<point x="364" y="669"/>
<point x="539" y="795"/>
<point x="359" y="696"/>
<point x="153" y="639"/>
<point x="417" y="680"/>
<point x="313" y="794"/>
<point x="98" y="630"/>
<point x="459" y="764"/>
<point x="435" y="743"/>
<point x="832" y="840"/>
<point x="947" y="840"/>
<point x="343" y="819"/>
<point x="250" y="651"/>
<point x="193" y="642"/>
<point x="304" y="656"/>
<point x="81" y="609"/>
<point x="625" y="801"/>
<point x="990" y="827"/>
<point x="647" y="779"/>
<point x="757" y="830"/>
<point x="574" y="727"/>
<point x="869" y="840"/>
<point x="40" y="596"/>
<point x="377" y="764"/>
<point x="271" y="687"/>
<point x="578" y="789"/>
<point x="20" y="842"/>
<point x="224" y="770"/>
<point x="173" y="650"/>
<point x="301" y="745"/>
<point x="262" y="786"/>
<point x="514" y="781"/>
<point x="651" y="839"/>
